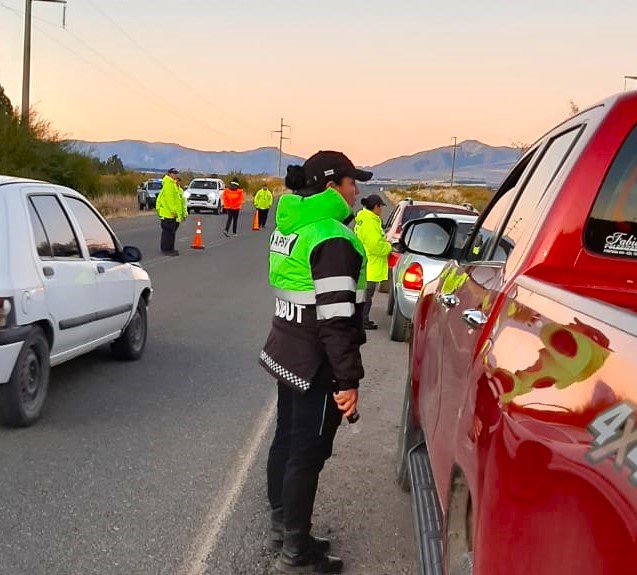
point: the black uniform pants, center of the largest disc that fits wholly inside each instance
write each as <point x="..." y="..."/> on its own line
<point x="168" y="231"/>
<point x="305" y="431"/>
<point x="233" y="217"/>
<point x="263" y="217"/>
<point x="369" y="296"/>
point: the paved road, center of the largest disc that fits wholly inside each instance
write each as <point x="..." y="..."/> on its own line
<point x="157" y="467"/>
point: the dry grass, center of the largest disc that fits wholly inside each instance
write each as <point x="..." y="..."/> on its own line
<point x="117" y="206"/>
<point x="477" y="197"/>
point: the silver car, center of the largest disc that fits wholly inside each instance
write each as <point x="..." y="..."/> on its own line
<point x="413" y="271"/>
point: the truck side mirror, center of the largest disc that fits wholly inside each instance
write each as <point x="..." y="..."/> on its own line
<point x="429" y="237"/>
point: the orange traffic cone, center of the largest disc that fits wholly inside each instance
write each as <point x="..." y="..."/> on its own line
<point x="255" y="221"/>
<point x="197" y="243"/>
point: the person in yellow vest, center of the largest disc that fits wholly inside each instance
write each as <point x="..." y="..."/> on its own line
<point x="369" y="231"/>
<point x="171" y="209"/>
<point x="263" y="202"/>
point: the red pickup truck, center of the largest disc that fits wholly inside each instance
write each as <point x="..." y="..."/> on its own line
<point x="519" y="431"/>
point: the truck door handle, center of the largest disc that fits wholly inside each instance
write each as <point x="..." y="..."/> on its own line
<point x="447" y="300"/>
<point x="48" y="272"/>
<point x="100" y="269"/>
<point x="474" y="318"/>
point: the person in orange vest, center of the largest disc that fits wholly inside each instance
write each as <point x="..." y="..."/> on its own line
<point x="232" y="202"/>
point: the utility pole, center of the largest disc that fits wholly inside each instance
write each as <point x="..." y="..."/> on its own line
<point x="282" y="137"/>
<point x="26" y="64"/>
<point x="628" y="78"/>
<point x="453" y="162"/>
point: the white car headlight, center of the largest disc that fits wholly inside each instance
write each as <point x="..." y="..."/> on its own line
<point x="212" y="196"/>
<point x="186" y="194"/>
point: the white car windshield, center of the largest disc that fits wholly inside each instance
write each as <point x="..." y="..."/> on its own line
<point x="203" y="185"/>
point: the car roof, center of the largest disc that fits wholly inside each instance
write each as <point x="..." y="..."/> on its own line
<point x="14" y="180"/>
<point x="7" y="180"/>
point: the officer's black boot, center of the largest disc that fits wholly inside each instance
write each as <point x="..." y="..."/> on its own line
<point x="276" y="534"/>
<point x="299" y="555"/>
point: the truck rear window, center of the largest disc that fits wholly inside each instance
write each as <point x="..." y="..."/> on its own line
<point x="416" y="212"/>
<point x="612" y="225"/>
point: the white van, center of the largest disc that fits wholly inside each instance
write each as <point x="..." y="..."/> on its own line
<point x="67" y="286"/>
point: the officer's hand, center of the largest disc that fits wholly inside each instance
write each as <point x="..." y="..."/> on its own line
<point x="346" y="401"/>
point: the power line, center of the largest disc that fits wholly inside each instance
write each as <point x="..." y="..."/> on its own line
<point x="159" y="100"/>
<point x="136" y="81"/>
<point x="281" y="131"/>
<point x="53" y="39"/>
<point x="154" y="58"/>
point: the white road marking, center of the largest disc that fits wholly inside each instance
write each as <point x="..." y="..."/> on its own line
<point x="223" y="505"/>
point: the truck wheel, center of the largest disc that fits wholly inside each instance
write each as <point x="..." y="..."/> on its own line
<point x="141" y="207"/>
<point x="130" y="345"/>
<point x="400" y="325"/>
<point x="22" y="398"/>
<point x="409" y="435"/>
<point x="215" y="211"/>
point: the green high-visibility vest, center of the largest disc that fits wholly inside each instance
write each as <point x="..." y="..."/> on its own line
<point x="303" y="224"/>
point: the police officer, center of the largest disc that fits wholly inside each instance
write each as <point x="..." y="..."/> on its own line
<point x="317" y="271"/>
<point x="263" y="202"/>
<point x="171" y="209"/>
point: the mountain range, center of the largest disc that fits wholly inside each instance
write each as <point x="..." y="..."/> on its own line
<point x="475" y="162"/>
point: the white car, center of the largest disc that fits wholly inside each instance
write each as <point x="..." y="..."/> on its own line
<point x="204" y="194"/>
<point x="413" y="271"/>
<point x="67" y="286"/>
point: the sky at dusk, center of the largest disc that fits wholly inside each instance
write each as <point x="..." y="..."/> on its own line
<point x="373" y="79"/>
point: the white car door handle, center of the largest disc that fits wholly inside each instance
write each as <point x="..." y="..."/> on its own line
<point x="447" y="300"/>
<point x="100" y="269"/>
<point x="48" y="271"/>
<point x="474" y="318"/>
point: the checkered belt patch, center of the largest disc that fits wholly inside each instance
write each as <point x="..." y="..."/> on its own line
<point x="284" y="374"/>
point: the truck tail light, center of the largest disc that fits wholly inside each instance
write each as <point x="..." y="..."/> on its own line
<point x="6" y="309"/>
<point x="413" y="277"/>
<point x="393" y="260"/>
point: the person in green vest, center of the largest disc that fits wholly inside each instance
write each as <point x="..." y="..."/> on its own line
<point x="369" y="231"/>
<point x="317" y="273"/>
<point x="263" y="202"/>
<point x="171" y="209"/>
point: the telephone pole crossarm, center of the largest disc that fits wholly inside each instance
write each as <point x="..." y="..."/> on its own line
<point x="282" y="137"/>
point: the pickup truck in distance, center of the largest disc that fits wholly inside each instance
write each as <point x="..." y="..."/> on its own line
<point x="518" y="437"/>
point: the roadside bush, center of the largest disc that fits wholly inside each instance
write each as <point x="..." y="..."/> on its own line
<point x="34" y="150"/>
<point x="125" y="184"/>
